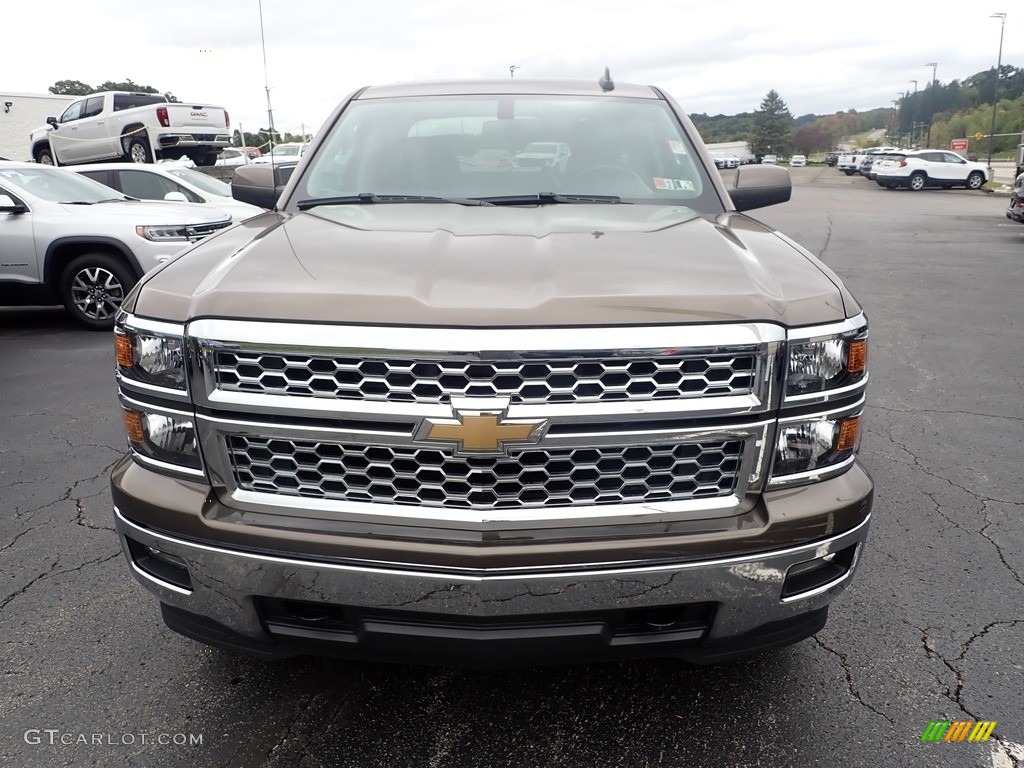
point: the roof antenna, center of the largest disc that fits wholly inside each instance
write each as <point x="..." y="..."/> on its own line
<point x="606" y="82"/>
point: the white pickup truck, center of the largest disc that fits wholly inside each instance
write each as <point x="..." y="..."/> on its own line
<point x="138" y="127"/>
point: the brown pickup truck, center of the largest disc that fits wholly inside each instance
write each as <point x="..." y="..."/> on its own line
<point x="439" y="406"/>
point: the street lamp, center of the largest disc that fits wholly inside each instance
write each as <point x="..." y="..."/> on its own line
<point x="512" y="70"/>
<point x="931" y="104"/>
<point x="995" y="87"/>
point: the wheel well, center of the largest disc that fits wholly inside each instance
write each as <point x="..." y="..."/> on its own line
<point x="41" y="144"/>
<point x="63" y="254"/>
<point x="132" y="130"/>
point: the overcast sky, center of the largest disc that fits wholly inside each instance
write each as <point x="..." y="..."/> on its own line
<point x="714" y="57"/>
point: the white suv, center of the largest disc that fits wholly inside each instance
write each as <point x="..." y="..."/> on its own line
<point x="932" y="168"/>
<point x="70" y="240"/>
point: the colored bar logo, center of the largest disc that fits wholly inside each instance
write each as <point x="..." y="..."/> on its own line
<point x="958" y="730"/>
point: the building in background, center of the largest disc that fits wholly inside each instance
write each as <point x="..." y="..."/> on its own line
<point x="20" y="114"/>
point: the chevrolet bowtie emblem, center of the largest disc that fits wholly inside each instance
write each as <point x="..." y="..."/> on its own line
<point x="480" y="431"/>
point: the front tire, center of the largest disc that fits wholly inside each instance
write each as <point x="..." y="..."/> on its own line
<point x="92" y="288"/>
<point x="136" y="150"/>
<point x="44" y="156"/>
<point x="917" y="182"/>
<point x="975" y="180"/>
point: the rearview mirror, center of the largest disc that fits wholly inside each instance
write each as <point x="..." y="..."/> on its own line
<point x="757" y="186"/>
<point x="261" y="184"/>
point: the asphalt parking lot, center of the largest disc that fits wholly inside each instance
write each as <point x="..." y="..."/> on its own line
<point x="932" y="628"/>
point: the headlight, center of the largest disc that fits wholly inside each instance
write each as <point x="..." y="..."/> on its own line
<point x="165" y="437"/>
<point x="150" y="357"/>
<point x="164" y="234"/>
<point x="809" y="450"/>
<point x="822" y="364"/>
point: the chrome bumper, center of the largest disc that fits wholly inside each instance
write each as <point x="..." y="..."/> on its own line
<point x="747" y="591"/>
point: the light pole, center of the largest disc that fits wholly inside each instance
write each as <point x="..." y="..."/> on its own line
<point x="913" y="111"/>
<point x="512" y="70"/>
<point x="931" y="104"/>
<point x="895" y="105"/>
<point x="995" y="87"/>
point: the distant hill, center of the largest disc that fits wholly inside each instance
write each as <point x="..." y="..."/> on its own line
<point x="961" y="108"/>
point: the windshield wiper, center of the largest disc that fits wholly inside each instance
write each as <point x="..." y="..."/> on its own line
<point x="364" y="198"/>
<point x="545" y="198"/>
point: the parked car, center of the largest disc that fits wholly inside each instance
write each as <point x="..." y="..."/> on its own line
<point x="430" y="411"/>
<point x="288" y="152"/>
<point x="231" y="157"/>
<point x="797" y="161"/>
<point x="770" y="160"/>
<point x="138" y="127"/>
<point x="880" y="163"/>
<point x="73" y="241"/>
<point x="831" y="159"/>
<point x="1015" y="211"/>
<point x="168" y="182"/>
<point x="933" y="168"/>
<point x="725" y="160"/>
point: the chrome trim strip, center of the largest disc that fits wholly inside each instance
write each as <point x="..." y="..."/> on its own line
<point x="133" y="322"/>
<point x="846" y="410"/>
<point x="481" y="575"/>
<point x="828" y="394"/>
<point x="448" y="342"/>
<point x="144" y="388"/>
<point x="150" y="577"/>
<point x="830" y="584"/>
<point x="814" y="476"/>
<point x="816" y="332"/>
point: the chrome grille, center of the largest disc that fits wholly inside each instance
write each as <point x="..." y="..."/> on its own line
<point x="199" y="231"/>
<point x="564" y="380"/>
<point x="428" y="477"/>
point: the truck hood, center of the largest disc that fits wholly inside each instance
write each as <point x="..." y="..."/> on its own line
<point x="478" y="266"/>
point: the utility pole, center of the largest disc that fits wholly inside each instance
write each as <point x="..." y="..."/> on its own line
<point x="266" y="82"/>
<point x="931" y="104"/>
<point x="995" y="87"/>
<point x="913" y="112"/>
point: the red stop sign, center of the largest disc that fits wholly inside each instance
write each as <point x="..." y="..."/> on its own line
<point x="958" y="145"/>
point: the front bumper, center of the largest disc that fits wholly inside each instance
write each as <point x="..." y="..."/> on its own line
<point x="278" y="604"/>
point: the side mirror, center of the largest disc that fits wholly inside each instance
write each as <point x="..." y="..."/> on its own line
<point x="52" y="121"/>
<point x="7" y="205"/>
<point x="176" y="197"/>
<point x="757" y="186"/>
<point x="261" y="184"/>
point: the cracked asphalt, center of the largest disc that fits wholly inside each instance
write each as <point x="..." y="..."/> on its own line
<point x="932" y="628"/>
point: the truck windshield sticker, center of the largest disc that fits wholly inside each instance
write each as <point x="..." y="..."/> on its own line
<point x="680" y="184"/>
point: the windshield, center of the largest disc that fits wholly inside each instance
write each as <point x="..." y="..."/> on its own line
<point x="58" y="186"/>
<point x="460" y="146"/>
<point x="285" y="150"/>
<point x="208" y="184"/>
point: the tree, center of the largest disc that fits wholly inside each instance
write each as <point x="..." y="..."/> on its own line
<point x="808" y="139"/>
<point x="78" y="88"/>
<point x="71" y="88"/>
<point x="773" y="123"/>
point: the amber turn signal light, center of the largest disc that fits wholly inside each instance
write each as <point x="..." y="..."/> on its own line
<point x="123" y="351"/>
<point x="133" y="427"/>
<point x="846" y="437"/>
<point x="857" y="356"/>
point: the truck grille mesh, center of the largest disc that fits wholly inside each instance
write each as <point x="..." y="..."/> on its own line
<point x="546" y="381"/>
<point x="428" y="477"/>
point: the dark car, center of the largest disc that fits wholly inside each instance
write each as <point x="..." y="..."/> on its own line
<point x="1016" y="209"/>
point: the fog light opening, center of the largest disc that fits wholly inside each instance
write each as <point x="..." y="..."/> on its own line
<point x="815" y="576"/>
<point x="162" y="566"/>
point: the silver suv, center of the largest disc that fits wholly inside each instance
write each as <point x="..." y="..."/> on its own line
<point x="73" y="241"/>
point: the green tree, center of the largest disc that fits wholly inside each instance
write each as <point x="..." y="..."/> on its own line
<point x="773" y="124"/>
<point x="78" y="88"/>
<point x="71" y="88"/>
